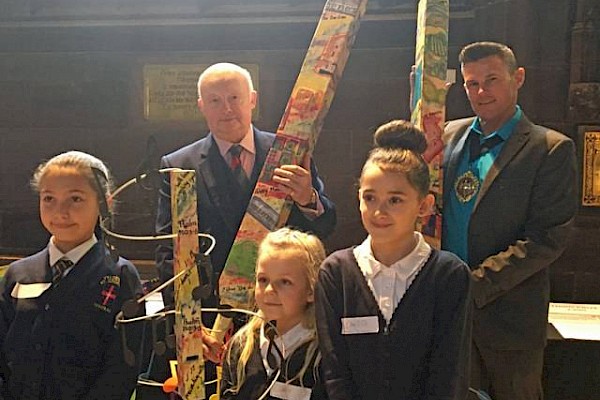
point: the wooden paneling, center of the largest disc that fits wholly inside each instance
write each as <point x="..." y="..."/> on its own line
<point x="71" y="78"/>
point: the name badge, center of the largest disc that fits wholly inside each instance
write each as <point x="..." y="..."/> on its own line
<point x="357" y="325"/>
<point x="29" y="290"/>
<point x="290" y="392"/>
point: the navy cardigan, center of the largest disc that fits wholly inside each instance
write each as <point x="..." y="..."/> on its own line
<point x="422" y="354"/>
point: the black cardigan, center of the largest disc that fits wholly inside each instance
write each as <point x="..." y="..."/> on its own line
<point x="422" y="354"/>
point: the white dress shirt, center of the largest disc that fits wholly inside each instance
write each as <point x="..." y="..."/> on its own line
<point x="389" y="284"/>
<point x="248" y="154"/>
<point x="74" y="255"/>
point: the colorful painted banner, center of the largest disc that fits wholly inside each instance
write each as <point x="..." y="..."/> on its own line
<point x="296" y="135"/>
<point x="429" y="99"/>
<point x="188" y="324"/>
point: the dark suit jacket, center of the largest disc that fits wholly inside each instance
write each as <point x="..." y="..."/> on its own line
<point x="519" y="225"/>
<point x="221" y="204"/>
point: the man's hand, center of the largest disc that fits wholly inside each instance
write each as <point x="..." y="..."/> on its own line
<point x="212" y="350"/>
<point x="296" y="181"/>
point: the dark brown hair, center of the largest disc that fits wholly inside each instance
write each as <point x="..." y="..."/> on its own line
<point x="399" y="146"/>
<point x="478" y="50"/>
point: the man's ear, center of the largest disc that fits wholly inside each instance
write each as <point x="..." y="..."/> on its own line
<point x="519" y="77"/>
<point x="200" y="104"/>
<point x="253" y="99"/>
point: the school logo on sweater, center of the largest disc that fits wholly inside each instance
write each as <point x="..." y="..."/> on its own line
<point x="109" y="290"/>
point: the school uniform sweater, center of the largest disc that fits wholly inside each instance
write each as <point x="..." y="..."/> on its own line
<point x="63" y="344"/>
<point x="257" y="381"/>
<point x="422" y="354"/>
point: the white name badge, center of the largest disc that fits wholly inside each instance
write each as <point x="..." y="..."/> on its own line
<point x="358" y="325"/>
<point x="290" y="392"/>
<point x="29" y="290"/>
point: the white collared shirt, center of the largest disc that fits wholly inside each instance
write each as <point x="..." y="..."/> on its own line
<point x="74" y="255"/>
<point x="287" y="343"/>
<point x="389" y="284"/>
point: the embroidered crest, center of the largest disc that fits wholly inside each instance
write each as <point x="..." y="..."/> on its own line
<point x="109" y="290"/>
<point x="466" y="186"/>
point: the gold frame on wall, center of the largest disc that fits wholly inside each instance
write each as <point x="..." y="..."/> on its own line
<point x="590" y="191"/>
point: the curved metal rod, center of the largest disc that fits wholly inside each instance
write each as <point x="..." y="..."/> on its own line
<point x="215" y="310"/>
<point x="135" y="180"/>
<point x="131" y="182"/>
<point x="157" y="237"/>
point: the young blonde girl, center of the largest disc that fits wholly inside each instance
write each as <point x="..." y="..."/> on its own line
<point x="58" y="307"/>
<point x="271" y="362"/>
<point x="393" y="314"/>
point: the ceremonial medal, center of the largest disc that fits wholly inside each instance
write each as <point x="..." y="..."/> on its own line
<point x="466" y="186"/>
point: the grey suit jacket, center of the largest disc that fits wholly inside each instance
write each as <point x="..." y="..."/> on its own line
<point x="518" y="227"/>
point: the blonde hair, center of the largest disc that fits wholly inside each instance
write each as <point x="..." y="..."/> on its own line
<point x="312" y="253"/>
<point x="83" y="163"/>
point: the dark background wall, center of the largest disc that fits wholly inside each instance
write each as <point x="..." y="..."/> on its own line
<point x="71" y="78"/>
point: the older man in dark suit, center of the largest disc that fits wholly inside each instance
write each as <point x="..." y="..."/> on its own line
<point x="509" y="203"/>
<point x="226" y="99"/>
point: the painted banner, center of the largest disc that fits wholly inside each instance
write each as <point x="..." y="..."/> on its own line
<point x="429" y="100"/>
<point x="188" y="324"/>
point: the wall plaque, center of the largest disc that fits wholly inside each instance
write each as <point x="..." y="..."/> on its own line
<point x="171" y="94"/>
<point x="591" y="169"/>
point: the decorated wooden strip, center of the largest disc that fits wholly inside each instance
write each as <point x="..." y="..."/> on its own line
<point x="296" y="135"/>
<point x="429" y="99"/>
<point x="188" y="324"/>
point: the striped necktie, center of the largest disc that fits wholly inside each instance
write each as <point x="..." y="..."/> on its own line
<point x="274" y="355"/>
<point x="235" y="163"/>
<point x="59" y="268"/>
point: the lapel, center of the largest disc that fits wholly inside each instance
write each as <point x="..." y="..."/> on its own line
<point x="513" y="146"/>
<point x="41" y="271"/>
<point x="453" y="157"/>
<point x="212" y="174"/>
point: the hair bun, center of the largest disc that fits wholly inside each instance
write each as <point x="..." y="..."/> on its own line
<point x="400" y="134"/>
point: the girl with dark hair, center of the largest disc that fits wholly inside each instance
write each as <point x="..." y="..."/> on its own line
<point x="393" y="314"/>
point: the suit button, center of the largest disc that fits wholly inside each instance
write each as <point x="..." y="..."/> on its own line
<point x="38" y="346"/>
<point x="47" y="307"/>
